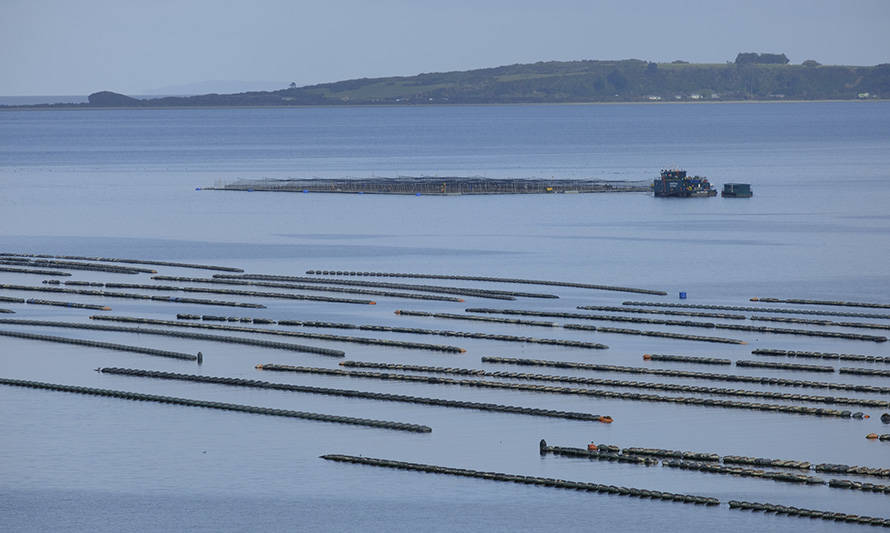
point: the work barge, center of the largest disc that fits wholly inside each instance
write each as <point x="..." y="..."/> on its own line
<point x="435" y="186"/>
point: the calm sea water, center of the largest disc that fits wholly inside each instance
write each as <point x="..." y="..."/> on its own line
<point x="122" y="184"/>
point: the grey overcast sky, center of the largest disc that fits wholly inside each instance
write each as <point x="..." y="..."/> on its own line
<point x="56" y="47"/>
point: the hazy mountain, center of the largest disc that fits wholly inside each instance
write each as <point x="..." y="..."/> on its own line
<point x="751" y="76"/>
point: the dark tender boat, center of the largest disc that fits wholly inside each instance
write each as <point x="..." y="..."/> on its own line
<point x="677" y="184"/>
<point x="737" y="190"/>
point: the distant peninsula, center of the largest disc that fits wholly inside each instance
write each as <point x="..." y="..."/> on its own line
<point x="750" y="77"/>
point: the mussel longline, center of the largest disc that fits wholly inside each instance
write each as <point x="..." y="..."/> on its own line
<point x="528" y="480"/>
<point x="672" y="387"/>
<point x="487" y="336"/>
<point x="829" y="323"/>
<point x="784" y="382"/>
<point x="39" y="271"/>
<point x="180" y="334"/>
<point x="73" y="305"/>
<point x="439" y="402"/>
<point x="821" y="302"/>
<point x="444" y="289"/>
<point x="709" y="457"/>
<point x="784" y="366"/>
<point x="686" y="359"/>
<point x="596" y="393"/>
<point x="648" y="333"/>
<point x="131" y="296"/>
<point x="805" y="332"/>
<point x="128" y="261"/>
<point x="310" y="287"/>
<point x="283" y="333"/>
<point x="100" y="344"/>
<point x="477" y="318"/>
<point x="637" y="310"/>
<point x="491" y="279"/>
<point x="588" y="316"/>
<point x="822" y="355"/>
<point x="126" y="395"/>
<point x="754" y="309"/>
<point x="73" y="265"/>
<point x="234" y="292"/>
<point x="807" y="513"/>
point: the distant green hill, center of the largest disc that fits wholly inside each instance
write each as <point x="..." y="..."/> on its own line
<point x="751" y="77"/>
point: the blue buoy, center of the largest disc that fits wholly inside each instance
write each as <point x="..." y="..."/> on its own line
<point x="249" y="190"/>
<point x="305" y="190"/>
<point x="418" y="194"/>
<point x="682" y="295"/>
<point x="197" y="188"/>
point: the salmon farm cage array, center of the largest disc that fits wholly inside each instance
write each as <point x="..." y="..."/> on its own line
<point x="426" y="185"/>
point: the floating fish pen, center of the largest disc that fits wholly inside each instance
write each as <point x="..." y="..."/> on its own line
<point x="439" y="186"/>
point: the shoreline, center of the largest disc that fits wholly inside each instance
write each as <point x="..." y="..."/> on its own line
<point x="85" y="107"/>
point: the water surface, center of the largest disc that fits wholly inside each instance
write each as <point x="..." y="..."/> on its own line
<point x="121" y="183"/>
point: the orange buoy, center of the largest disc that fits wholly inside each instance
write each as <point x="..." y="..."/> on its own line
<point x="606" y="419"/>
<point x="647" y="357"/>
<point x="591" y="447"/>
<point x="871" y="436"/>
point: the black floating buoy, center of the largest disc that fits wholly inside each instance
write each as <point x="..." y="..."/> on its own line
<point x="543" y="446"/>
<point x="885" y="418"/>
<point x="200" y="358"/>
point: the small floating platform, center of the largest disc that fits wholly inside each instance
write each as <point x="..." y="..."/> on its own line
<point x="444" y="186"/>
<point x="737" y="190"/>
